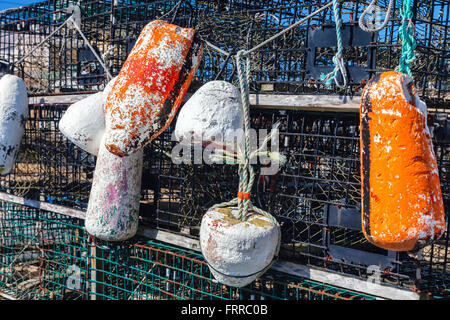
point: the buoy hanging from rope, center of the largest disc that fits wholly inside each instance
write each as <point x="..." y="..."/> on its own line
<point x="401" y="197"/>
<point x="113" y="208"/>
<point x="83" y="123"/>
<point x="213" y="113"/>
<point x="13" y="114"/>
<point x="238" y="240"/>
<point x="237" y="251"/>
<point x="150" y="86"/>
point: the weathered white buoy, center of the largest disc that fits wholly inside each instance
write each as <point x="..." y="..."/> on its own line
<point x="237" y="251"/>
<point x="83" y="123"/>
<point x="13" y="114"/>
<point x="113" y="209"/>
<point x="212" y="113"/>
<point x="151" y="85"/>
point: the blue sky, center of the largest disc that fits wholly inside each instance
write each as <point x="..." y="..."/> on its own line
<point x="7" y="4"/>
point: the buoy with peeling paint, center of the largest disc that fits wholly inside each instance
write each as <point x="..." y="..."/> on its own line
<point x="13" y="115"/>
<point x="402" y="206"/>
<point x="237" y="251"/>
<point x="113" y="209"/>
<point x="213" y="113"/>
<point x="83" y="123"/>
<point x="150" y="86"/>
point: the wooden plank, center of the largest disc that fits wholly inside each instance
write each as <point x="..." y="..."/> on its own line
<point x="259" y="100"/>
<point x="344" y="281"/>
<point x="306" y="102"/>
<point x="43" y="205"/>
<point x="171" y="238"/>
<point x="58" y="99"/>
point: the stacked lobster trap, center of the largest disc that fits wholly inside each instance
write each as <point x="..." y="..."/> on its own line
<point x="315" y="196"/>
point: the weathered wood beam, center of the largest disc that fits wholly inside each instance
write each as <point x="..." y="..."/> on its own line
<point x="266" y="101"/>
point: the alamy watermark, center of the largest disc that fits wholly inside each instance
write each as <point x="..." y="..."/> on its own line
<point x="200" y="148"/>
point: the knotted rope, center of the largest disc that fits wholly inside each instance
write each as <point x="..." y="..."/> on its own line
<point x="406" y="34"/>
<point x="338" y="59"/>
<point x="243" y="157"/>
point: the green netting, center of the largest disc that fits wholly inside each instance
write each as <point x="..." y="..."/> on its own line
<point x="45" y="255"/>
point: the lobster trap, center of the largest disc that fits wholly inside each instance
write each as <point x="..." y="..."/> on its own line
<point x="315" y="196"/>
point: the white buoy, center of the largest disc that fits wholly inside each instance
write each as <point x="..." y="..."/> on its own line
<point x="212" y="113"/>
<point x="113" y="209"/>
<point x="237" y="251"/>
<point x="84" y="122"/>
<point x="13" y="114"/>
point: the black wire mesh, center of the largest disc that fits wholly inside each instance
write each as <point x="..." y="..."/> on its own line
<point x="289" y="64"/>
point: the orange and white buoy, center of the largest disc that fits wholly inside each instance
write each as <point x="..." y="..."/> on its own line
<point x="13" y="114"/>
<point x="402" y="204"/>
<point x="150" y="86"/>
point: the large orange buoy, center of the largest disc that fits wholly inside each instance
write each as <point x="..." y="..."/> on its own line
<point x="402" y="206"/>
<point x="150" y="86"/>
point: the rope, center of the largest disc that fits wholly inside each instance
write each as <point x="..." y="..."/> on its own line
<point x="406" y="33"/>
<point x="363" y="22"/>
<point x="338" y="59"/>
<point x="246" y="172"/>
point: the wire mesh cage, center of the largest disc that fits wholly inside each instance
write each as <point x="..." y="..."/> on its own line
<point x="289" y="64"/>
<point x="45" y="255"/>
<point x="315" y="196"/>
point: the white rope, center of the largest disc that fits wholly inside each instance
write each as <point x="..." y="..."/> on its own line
<point x="363" y="22"/>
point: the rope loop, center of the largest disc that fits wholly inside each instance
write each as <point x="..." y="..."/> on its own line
<point x="363" y="22"/>
<point x="338" y="59"/>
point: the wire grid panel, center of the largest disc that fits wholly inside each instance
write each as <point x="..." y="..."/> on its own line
<point x="289" y="64"/>
<point x="44" y="255"/>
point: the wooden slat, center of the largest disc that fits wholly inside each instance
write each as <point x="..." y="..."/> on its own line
<point x="270" y="101"/>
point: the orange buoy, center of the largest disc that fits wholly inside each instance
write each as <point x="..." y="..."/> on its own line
<point x="402" y="206"/>
<point x="150" y="86"/>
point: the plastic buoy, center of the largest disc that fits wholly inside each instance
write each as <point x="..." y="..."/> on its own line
<point x="83" y="123"/>
<point x="213" y="113"/>
<point x="402" y="206"/>
<point x="13" y="115"/>
<point x="150" y="86"/>
<point x="236" y="251"/>
<point x="113" y="209"/>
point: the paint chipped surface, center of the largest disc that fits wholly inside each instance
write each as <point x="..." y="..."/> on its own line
<point x="212" y="113"/>
<point x="150" y="86"/>
<point x="400" y="189"/>
<point x="13" y="114"/>
<point x="113" y="209"/>
<point x="237" y="248"/>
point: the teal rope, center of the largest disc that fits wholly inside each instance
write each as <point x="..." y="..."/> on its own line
<point x="338" y="59"/>
<point x="406" y="34"/>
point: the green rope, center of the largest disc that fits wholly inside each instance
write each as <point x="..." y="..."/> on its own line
<point x="406" y="34"/>
<point x="338" y="59"/>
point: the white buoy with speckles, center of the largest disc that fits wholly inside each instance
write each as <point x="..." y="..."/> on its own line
<point x="113" y="209"/>
<point x="13" y="114"/>
<point x="237" y="251"/>
<point x="212" y="113"/>
<point x="84" y="122"/>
